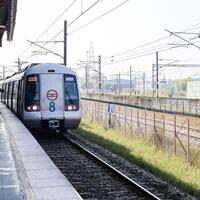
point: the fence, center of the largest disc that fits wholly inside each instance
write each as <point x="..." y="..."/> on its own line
<point x="168" y="132"/>
<point x="169" y="105"/>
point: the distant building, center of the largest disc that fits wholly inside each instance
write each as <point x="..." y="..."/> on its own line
<point x="193" y="89"/>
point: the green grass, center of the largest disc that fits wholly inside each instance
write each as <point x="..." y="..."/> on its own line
<point x="174" y="170"/>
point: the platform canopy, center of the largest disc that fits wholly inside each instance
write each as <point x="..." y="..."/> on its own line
<point x="8" y="10"/>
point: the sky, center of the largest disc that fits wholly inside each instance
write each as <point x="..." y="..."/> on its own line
<point x="132" y="25"/>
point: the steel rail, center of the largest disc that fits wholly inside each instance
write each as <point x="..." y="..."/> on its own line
<point x="130" y="181"/>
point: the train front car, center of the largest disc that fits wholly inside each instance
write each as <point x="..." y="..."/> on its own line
<point x="51" y="98"/>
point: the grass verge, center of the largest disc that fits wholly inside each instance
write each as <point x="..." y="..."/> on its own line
<point x="174" y="170"/>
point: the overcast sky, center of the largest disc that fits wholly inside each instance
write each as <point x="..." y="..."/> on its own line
<point x="133" y="24"/>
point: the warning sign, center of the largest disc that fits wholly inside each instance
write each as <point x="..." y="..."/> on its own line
<point x="52" y="95"/>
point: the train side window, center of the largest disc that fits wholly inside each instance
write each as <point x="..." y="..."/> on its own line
<point x="15" y="86"/>
<point x="4" y="96"/>
<point x="18" y="98"/>
<point x="7" y="90"/>
<point x="2" y="91"/>
<point x="14" y="96"/>
<point x="10" y="94"/>
<point x="4" y="87"/>
<point x="32" y="92"/>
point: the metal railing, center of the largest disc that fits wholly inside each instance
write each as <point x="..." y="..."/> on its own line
<point x="168" y="105"/>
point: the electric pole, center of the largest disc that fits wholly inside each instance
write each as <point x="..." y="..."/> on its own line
<point x="19" y="65"/>
<point x="144" y="84"/>
<point x="65" y="43"/>
<point x="119" y="83"/>
<point x="3" y="72"/>
<point x="130" y="83"/>
<point x="157" y="91"/>
<point x="100" y="81"/>
<point x="86" y="78"/>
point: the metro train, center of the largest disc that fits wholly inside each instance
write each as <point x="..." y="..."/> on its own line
<point x="44" y="96"/>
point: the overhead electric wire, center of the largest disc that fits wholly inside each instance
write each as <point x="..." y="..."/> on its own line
<point x="82" y="13"/>
<point x="197" y="25"/>
<point x="58" y="33"/>
<point x="147" y="44"/>
<point x="138" y="47"/>
<point x="136" y="51"/>
<point x="145" y="52"/>
<point x="136" y="56"/>
<point x="99" y="17"/>
<point x="139" y="50"/>
<point x="74" y="20"/>
<point x="121" y="53"/>
<point x="49" y="48"/>
<point x="58" y="18"/>
<point x="51" y="25"/>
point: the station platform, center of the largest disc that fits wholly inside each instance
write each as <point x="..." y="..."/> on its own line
<point x="26" y="172"/>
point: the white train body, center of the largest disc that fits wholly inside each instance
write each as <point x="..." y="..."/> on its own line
<point x="44" y="96"/>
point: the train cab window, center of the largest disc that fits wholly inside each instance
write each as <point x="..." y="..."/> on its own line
<point x="71" y="93"/>
<point x="32" y="93"/>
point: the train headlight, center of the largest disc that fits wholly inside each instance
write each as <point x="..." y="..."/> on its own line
<point x="71" y="107"/>
<point x="28" y="108"/>
<point x="35" y="107"/>
<point x="32" y="108"/>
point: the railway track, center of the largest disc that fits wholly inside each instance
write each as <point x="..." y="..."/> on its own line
<point x="92" y="177"/>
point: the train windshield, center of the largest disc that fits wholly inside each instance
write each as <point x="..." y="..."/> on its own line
<point x="32" y="91"/>
<point x="71" y="90"/>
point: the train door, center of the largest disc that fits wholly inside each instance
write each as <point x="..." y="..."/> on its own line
<point x="52" y="97"/>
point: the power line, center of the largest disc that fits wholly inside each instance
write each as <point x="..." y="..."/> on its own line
<point x="135" y="56"/>
<point x="50" y="25"/>
<point x="147" y="44"/>
<point x="73" y="21"/>
<point x="121" y="53"/>
<point x="172" y="33"/>
<point x="190" y="28"/>
<point x="92" y="21"/>
<point x="138" y="55"/>
<point x="136" y="51"/>
<point x="57" y="18"/>
<point x="82" y="13"/>
<point x="45" y="48"/>
<point x="138" y="47"/>
<point x="160" y="48"/>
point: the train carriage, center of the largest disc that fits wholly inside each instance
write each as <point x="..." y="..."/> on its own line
<point x="44" y="96"/>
